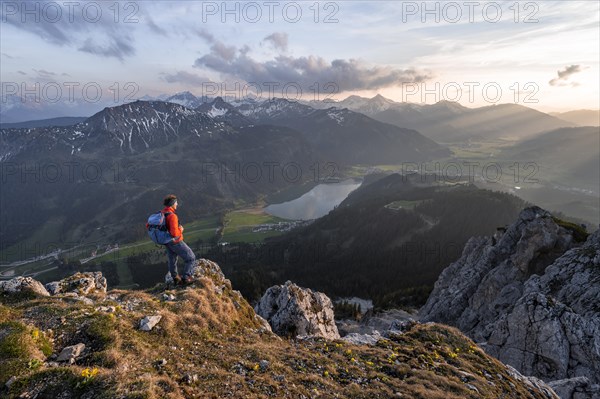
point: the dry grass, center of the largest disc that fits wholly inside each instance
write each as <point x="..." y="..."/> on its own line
<point x="214" y="336"/>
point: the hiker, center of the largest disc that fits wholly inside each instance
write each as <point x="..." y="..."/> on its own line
<point x="177" y="247"/>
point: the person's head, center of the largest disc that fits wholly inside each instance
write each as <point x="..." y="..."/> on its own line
<point x="170" y="200"/>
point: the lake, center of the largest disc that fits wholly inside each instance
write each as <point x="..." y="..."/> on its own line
<point x="316" y="203"/>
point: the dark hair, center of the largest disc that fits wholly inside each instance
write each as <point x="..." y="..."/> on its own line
<point x="169" y="200"/>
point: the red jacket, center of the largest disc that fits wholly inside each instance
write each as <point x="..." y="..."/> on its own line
<point x="173" y="226"/>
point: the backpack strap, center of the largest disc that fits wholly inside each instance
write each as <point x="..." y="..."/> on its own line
<point x="165" y="215"/>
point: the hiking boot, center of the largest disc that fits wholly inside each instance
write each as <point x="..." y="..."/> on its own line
<point x="177" y="280"/>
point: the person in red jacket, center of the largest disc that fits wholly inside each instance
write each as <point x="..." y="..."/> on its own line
<point x="177" y="247"/>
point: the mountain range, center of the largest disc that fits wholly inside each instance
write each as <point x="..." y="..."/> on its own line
<point x="61" y="121"/>
<point x="165" y="144"/>
<point x="157" y="146"/>
<point x="581" y="117"/>
<point x="450" y="122"/>
<point x="115" y="167"/>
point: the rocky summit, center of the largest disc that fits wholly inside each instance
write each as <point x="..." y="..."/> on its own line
<point x="295" y="311"/>
<point x="530" y="296"/>
<point x="77" y="338"/>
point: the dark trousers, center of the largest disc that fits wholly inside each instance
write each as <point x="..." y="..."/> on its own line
<point x="181" y="250"/>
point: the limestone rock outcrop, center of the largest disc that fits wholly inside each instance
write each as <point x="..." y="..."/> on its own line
<point x="80" y="283"/>
<point x="295" y="311"/>
<point x="23" y="284"/>
<point x="530" y="297"/>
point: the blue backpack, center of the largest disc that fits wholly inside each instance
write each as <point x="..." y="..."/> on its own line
<point x="157" y="228"/>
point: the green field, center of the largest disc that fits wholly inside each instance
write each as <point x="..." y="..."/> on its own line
<point x="479" y="149"/>
<point x="203" y="229"/>
<point x="402" y="204"/>
<point x="239" y="224"/>
<point x="34" y="244"/>
<point x="238" y="228"/>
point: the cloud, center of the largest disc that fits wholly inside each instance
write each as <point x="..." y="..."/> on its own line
<point x="76" y="28"/>
<point x="154" y="27"/>
<point x="117" y="47"/>
<point x="279" y="40"/>
<point x="185" y="78"/>
<point x="564" y="75"/>
<point x="311" y="73"/>
<point x="43" y="72"/>
<point x="42" y="75"/>
<point x="10" y="57"/>
<point x="204" y="34"/>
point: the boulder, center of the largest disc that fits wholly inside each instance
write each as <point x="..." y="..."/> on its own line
<point x="149" y="322"/>
<point x="206" y="268"/>
<point x="23" y="284"/>
<point x="534" y="384"/>
<point x="575" y="388"/>
<point x="294" y="311"/>
<point x="363" y="339"/>
<point x="80" y="283"/>
<point x="70" y="353"/>
<point x="530" y="297"/>
<point x="264" y="325"/>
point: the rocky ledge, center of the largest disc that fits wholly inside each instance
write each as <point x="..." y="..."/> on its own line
<point x="530" y="296"/>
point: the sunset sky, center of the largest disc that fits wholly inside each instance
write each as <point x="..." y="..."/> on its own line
<point x="548" y="52"/>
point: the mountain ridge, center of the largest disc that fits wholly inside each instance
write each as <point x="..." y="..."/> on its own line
<point x="205" y="340"/>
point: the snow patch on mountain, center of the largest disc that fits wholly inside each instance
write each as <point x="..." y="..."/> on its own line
<point x="215" y="111"/>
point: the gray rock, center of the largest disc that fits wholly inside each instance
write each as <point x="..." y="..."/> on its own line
<point x="23" y="284"/>
<point x="10" y="382"/>
<point x="239" y="368"/>
<point x="532" y="298"/>
<point x="85" y="300"/>
<point x="189" y="378"/>
<point x="264" y="325"/>
<point x="533" y="383"/>
<point x="472" y="387"/>
<point x="70" y="353"/>
<point x="264" y="365"/>
<point x="573" y="388"/>
<point x="168" y="297"/>
<point x="294" y="311"/>
<point x="106" y="309"/>
<point x="149" y="322"/>
<point x="206" y="268"/>
<point x="53" y="287"/>
<point x="363" y="339"/>
<point x="80" y="283"/>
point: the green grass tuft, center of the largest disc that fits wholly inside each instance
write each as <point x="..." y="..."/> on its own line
<point x="579" y="233"/>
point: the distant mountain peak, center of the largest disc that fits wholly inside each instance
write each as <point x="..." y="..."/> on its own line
<point x="379" y="97"/>
<point x="183" y="94"/>
<point x="354" y="97"/>
<point x="185" y="98"/>
<point x="221" y="110"/>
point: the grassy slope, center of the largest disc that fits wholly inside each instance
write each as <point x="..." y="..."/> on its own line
<point x="216" y="338"/>
<point x="239" y="224"/>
